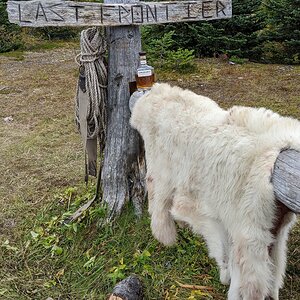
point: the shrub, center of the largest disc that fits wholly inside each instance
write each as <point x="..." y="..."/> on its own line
<point x="12" y="37"/>
<point x="234" y="36"/>
<point x="272" y="51"/>
<point x="9" y="39"/>
<point x="56" y="33"/>
<point x="280" y="37"/>
<point x="163" y="52"/>
<point x="180" y="60"/>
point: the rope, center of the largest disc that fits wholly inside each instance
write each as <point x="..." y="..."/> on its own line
<point x="91" y="61"/>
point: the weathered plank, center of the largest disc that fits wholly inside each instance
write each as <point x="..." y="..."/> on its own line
<point x="286" y="179"/>
<point x="41" y="13"/>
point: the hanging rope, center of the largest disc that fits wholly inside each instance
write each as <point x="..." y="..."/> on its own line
<point x="93" y="47"/>
<point x="91" y="99"/>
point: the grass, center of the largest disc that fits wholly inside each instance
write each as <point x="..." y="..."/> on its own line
<point x="17" y="55"/>
<point x="41" y="184"/>
<point x="58" y="260"/>
<point x="42" y="45"/>
<point x="35" y="44"/>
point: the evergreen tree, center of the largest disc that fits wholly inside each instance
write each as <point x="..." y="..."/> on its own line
<point x="9" y="33"/>
<point x="233" y="36"/>
<point x="280" y="38"/>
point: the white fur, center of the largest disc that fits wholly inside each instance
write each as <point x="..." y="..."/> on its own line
<point x="211" y="169"/>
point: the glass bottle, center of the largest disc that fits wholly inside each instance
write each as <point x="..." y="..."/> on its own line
<point x="144" y="74"/>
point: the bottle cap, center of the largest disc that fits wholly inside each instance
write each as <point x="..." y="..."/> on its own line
<point x="142" y="53"/>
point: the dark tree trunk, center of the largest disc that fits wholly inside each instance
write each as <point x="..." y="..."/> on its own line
<point x="120" y="175"/>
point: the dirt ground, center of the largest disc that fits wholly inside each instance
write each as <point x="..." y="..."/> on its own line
<point x="41" y="151"/>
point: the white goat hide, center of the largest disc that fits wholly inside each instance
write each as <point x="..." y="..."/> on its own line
<point x="211" y="168"/>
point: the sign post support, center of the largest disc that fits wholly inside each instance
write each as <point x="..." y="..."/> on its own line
<point x="122" y="143"/>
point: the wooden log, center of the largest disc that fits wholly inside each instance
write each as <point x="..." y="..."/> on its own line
<point x="122" y="144"/>
<point x="130" y="288"/>
<point x="41" y="13"/>
<point x="286" y="179"/>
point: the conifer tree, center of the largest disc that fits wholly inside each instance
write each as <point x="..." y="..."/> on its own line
<point x="9" y="33"/>
<point x="235" y="36"/>
<point x="280" y="38"/>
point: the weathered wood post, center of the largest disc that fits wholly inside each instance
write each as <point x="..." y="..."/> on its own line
<point x="122" y="18"/>
<point x="121" y="151"/>
<point x="286" y="179"/>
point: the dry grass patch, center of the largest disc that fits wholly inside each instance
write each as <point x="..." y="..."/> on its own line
<point x="40" y="149"/>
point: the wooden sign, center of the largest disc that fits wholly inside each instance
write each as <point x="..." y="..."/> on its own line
<point x="42" y="13"/>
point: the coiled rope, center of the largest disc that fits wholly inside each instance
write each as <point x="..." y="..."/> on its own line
<point x="91" y="98"/>
<point x="92" y="61"/>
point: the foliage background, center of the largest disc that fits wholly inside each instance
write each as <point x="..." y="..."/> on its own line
<point x="260" y="30"/>
<point x="266" y="31"/>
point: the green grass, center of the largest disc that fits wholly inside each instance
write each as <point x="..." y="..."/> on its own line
<point x="86" y="259"/>
<point x="37" y="45"/>
<point x="41" y="166"/>
<point x="17" y="55"/>
<point x="49" y="45"/>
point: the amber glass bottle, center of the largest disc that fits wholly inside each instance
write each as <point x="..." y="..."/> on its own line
<point x="144" y="74"/>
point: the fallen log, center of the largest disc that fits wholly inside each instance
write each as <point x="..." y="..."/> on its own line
<point x="130" y="288"/>
<point x="286" y="179"/>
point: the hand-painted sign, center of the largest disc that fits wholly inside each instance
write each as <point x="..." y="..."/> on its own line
<point x="42" y="13"/>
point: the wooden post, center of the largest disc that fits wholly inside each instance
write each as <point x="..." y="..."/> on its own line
<point x="286" y="179"/>
<point x="122" y="142"/>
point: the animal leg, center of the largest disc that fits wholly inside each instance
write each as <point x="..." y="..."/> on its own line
<point x="162" y="224"/>
<point x="255" y="267"/>
<point x="213" y="232"/>
<point x="285" y="219"/>
<point x="234" y="289"/>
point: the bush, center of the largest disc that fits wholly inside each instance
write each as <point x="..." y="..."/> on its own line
<point x="56" y="33"/>
<point x="180" y="60"/>
<point x="10" y="38"/>
<point x="280" y="37"/>
<point x="261" y="30"/>
<point x="235" y="36"/>
<point x="272" y="52"/>
<point x="163" y="52"/>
